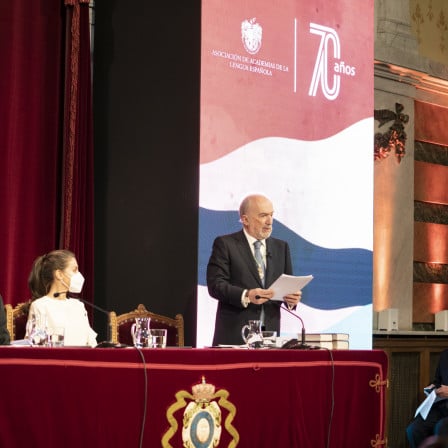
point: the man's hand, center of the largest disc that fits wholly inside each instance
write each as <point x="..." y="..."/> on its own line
<point x="442" y="391"/>
<point x="265" y="295"/>
<point x="293" y="299"/>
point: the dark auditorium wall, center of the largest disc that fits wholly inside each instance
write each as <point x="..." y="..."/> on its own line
<point x="146" y="85"/>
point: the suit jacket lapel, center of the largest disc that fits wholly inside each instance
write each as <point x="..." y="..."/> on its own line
<point x="270" y="262"/>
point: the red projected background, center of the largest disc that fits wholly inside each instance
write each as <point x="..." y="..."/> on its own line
<point x="287" y="110"/>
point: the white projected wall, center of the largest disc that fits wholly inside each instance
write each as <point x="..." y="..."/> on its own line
<point x="287" y="110"/>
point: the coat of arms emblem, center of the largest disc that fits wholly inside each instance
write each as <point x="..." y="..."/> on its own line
<point x="251" y="34"/>
<point x="202" y="420"/>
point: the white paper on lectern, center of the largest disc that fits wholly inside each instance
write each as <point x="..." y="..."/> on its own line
<point x="289" y="284"/>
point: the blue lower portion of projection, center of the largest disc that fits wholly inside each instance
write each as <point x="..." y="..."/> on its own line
<point x="342" y="277"/>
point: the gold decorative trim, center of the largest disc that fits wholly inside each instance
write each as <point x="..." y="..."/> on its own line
<point x="377" y="383"/>
<point x="9" y="320"/>
<point x="378" y="442"/>
<point x="430" y="26"/>
<point x="201" y="400"/>
<point x="395" y="138"/>
<point x="21" y="309"/>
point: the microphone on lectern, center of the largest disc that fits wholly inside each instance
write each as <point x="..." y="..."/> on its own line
<point x="103" y="344"/>
<point x="108" y="343"/>
<point x="292" y="343"/>
<point x="102" y="310"/>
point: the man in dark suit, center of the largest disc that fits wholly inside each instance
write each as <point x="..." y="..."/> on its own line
<point x="4" y="334"/>
<point x="235" y="278"/>
<point x="436" y="422"/>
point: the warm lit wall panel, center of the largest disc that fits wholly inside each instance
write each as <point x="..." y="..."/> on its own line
<point x="431" y="183"/>
<point x="430" y="242"/>
<point x="429" y="298"/>
<point x="430" y="123"/>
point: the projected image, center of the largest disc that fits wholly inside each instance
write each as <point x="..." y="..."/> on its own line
<point x="287" y="111"/>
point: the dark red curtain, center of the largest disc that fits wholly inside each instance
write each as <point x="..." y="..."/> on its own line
<point x="35" y="214"/>
<point x="31" y="37"/>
